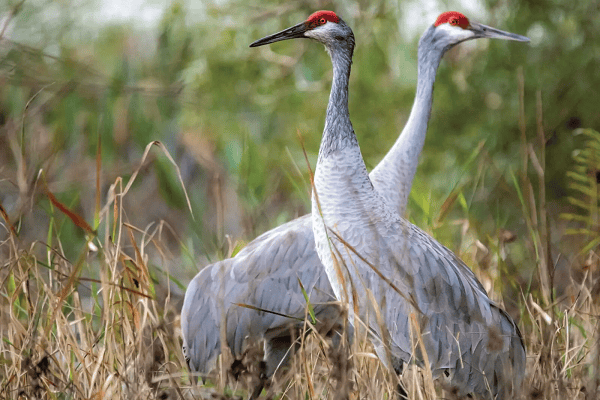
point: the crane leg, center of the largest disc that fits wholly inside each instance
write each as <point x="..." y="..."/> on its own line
<point x="262" y="380"/>
<point x="402" y="395"/>
<point x="277" y="354"/>
<point x="400" y="391"/>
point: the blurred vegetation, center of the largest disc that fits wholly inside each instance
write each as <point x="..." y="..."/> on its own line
<point x="233" y="116"/>
<point x="508" y="178"/>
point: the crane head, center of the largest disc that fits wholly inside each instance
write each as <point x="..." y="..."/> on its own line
<point x="452" y="28"/>
<point x="323" y="26"/>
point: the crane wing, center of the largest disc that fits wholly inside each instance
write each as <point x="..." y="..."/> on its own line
<point x="263" y="275"/>
<point x="463" y="330"/>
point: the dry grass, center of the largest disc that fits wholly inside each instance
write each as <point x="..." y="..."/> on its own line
<point x="105" y="325"/>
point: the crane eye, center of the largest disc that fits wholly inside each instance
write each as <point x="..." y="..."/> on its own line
<point x="453" y="21"/>
<point x="322" y="21"/>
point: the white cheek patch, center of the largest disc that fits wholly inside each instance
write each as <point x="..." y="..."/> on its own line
<point x="456" y="32"/>
<point x="321" y="32"/>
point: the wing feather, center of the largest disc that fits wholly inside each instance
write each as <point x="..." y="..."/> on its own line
<point x="264" y="275"/>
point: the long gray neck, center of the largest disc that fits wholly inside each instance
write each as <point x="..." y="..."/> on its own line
<point x="338" y="132"/>
<point x="394" y="175"/>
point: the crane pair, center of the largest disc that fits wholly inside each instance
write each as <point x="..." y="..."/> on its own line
<point x="356" y="239"/>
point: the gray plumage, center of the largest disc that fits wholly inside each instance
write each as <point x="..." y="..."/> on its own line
<point x="470" y="342"/>
<point x="265" y="273"/>
<point x="255" y="277"/>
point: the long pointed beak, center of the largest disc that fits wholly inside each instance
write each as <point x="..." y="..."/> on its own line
<point x="296" y="31"/>
<point x="484" y="31"/>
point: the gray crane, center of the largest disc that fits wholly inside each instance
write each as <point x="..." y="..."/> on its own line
<point x="391" y="267"/>
<point x="265" y="273"/>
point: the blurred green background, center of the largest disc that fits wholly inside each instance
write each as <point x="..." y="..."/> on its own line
<point x="76" y="73"/>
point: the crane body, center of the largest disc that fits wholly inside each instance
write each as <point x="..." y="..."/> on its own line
<point x="267" y="270"/>
<point x="396" y="269"/>
<point x="265" y="274"/>
<point x="255" y="277"/>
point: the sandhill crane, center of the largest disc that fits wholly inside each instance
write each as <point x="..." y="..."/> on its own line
<point x="265" y="273"/>
<point x="374" y="256"/>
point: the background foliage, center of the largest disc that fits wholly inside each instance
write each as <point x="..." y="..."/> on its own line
<point x="78" y="80"/>
<point x="232" y="114"/>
